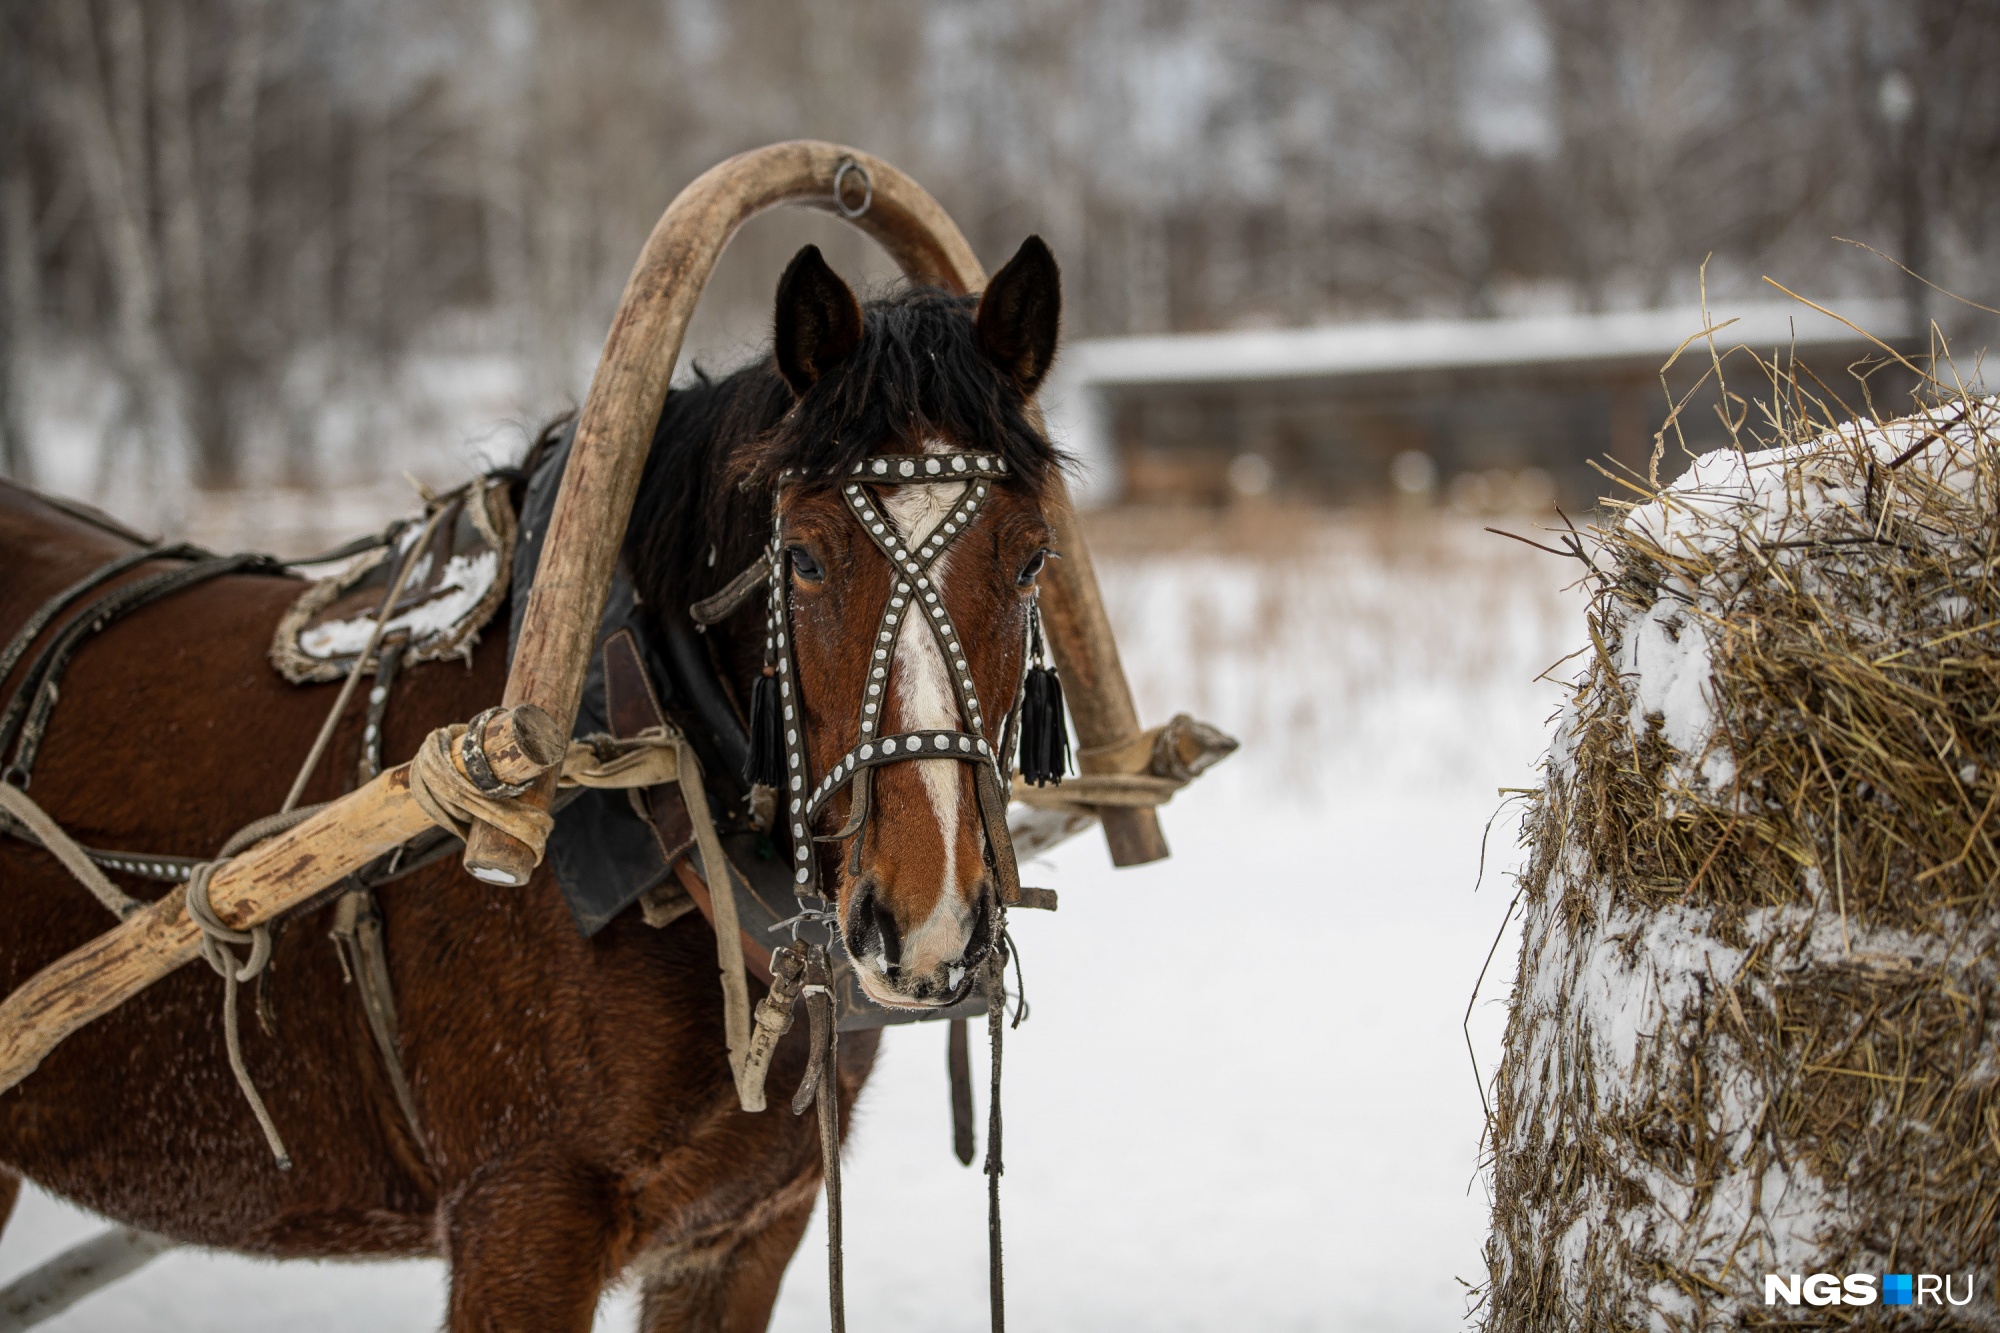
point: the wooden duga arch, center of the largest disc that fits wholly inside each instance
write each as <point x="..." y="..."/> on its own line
<point x="613" y="433"/>
<point x="562" y="613"/>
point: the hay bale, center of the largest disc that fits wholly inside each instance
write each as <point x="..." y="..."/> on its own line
<point x="1753" y="1028"/>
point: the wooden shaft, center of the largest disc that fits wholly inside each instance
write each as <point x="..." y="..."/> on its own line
<point x="594" y="501"/>
<point x="522" y="743"/>
<point x="47" y="1291"/>
<point x="270" y="878"/>
<point x="1094" y="685"/>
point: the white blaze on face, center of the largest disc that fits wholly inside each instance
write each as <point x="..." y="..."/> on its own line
<point x="927" y="700"/>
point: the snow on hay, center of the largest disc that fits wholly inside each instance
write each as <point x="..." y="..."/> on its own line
<point x="1751" y="1031"/>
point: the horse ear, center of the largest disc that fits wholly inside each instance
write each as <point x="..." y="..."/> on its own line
<point x="1019" y="314"/>
<point x="818" y="322"/>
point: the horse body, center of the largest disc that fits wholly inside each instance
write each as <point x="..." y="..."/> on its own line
<point x="579" y="1114"/>
<point x="575" y="1093"/>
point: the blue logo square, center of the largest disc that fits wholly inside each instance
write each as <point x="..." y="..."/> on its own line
<point x="1897" y="1289"/>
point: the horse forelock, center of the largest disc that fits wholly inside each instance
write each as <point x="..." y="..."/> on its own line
<point x="919" y="376"/>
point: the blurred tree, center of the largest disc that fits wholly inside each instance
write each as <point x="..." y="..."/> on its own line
<point x="20" y="258"/>
<point x="248" y="210"/>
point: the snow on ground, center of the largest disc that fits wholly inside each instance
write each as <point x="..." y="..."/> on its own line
<point x="1243" y="1099"/>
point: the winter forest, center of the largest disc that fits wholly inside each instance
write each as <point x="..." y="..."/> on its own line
<point x="233" y="229"/>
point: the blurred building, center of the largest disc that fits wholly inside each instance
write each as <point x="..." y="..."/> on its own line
<point x="1487" y="415"/>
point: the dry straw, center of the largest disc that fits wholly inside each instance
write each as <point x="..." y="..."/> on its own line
<point x="1753" y="1029"/>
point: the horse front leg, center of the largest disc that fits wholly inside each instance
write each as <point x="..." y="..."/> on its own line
<point x="731" y="1292"/>
<point x="531" y="1245"/>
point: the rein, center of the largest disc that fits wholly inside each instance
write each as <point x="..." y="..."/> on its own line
<point x="780" y="758"/>
<point x="799" y="972"/>
<point x="26" y="716"/>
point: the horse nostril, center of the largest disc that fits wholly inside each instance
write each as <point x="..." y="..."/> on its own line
<point x="984" y="915"/>
<point x="885" y="925"/>
<point x="871" y="925"/>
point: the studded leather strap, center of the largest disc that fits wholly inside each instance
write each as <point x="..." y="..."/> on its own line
<point x="913" y="593"/>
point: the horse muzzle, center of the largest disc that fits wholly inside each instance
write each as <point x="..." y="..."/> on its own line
<point x="931" y="965"/>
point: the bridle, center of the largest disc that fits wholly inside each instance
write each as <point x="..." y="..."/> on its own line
<point x="913" y="593"/>
<point x="781" y="759"/>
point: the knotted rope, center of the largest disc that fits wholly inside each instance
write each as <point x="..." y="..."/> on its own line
<point x="217" y="939"/>
<point x="441" y="787"/>
<point x="451" y="797"/>
<point x="439" y="784"/>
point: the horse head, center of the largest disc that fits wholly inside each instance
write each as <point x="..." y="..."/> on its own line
<point x="908" y="532"/>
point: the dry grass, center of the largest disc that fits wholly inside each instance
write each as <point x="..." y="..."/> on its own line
<point x="1810" y="898"/>
<point x="1337" y="644"/>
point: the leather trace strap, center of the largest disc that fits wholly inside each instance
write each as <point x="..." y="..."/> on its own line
<point x="25" y="718"/>
<point x="24" y="638"/>
<point x="714" y="610"/>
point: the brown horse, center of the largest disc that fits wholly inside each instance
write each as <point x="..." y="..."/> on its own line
<point x="575" y="1093"/>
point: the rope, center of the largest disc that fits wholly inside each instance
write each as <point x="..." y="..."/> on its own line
<point x="22" y="807"/>
<point x="216" y="938"/>
<point x="644" y="760"/>
<point x="1136" y="790"/>
<point x="452" y="800"/>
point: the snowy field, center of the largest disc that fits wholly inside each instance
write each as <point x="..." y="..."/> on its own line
<point x="1243" y="1100"/>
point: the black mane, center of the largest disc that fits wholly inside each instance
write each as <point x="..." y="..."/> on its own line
<point x="704" y="505"/>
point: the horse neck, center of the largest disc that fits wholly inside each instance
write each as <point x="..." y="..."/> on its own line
<point x="692" y="528"/>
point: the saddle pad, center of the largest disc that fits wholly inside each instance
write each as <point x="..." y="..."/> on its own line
<point x="459" y="581"/>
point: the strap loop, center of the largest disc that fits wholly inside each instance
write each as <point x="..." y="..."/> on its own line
<point x="714" y="610"/>
<point x="452" y="800"/>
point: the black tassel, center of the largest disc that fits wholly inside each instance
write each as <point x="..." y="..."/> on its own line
<point x="766" y="764"/>
<point x="1044" y="732"/>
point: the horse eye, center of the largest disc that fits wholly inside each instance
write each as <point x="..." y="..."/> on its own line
<point x="1032" y="568"/>
<point x="804" y="565"/>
